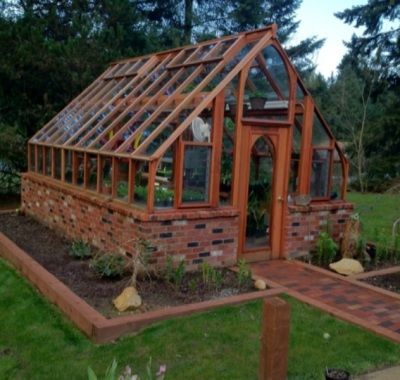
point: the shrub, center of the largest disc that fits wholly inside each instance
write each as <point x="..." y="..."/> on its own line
<point x="108" y="265"/>
<point x="80" y="250"/>
<point x="326" y="248"/>
<point x="244" y="274"/>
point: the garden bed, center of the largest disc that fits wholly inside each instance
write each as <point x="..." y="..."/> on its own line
<point x="51" y="250"/>
<point x="389" y="281"/>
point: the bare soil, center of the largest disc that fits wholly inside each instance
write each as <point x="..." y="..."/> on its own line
<point x="389" y="282"/>
<point x="51" y="250"/>
<point x="368" y="266"/>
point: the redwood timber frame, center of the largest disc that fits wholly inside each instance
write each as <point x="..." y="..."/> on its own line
<point x="133" y="122"/>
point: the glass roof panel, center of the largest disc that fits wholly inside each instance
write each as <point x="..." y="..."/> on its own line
<point x="136" y="104"/>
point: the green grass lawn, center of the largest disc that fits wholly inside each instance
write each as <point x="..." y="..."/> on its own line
<point x="377" y="213"/>
<point x="37" y="342"/>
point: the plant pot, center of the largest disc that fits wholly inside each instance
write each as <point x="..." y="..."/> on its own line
<point x="336" y="374"/>
<point x="257" y="102"/>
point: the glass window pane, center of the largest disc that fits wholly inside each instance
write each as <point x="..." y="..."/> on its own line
<point x="276" y="67"/>
<point x="39" y="164"/>
<point x="92" y="172"/>
<point x="57" y="163"/>
<point x="48" y="160"/>
<point x="68" y="166"/>
<point x="263" y="94"/>
<point x="32" y="156"/>
<point x="141" y="183"/>
<point x="164" y="192"/>
<point x="122" y="180"/>
<point x="259" y="195"/>
<point x="295" y="158"/>
<point x="320" y="137"/>
<point x="337" y="176"/>
<point x="200" y="129"/>
<point x="80" y="168"/>
<point x="225" y="188"/>
<point x="106" y="176"/>
<point x="320" y="173"/>
<point x="196" y="174"/>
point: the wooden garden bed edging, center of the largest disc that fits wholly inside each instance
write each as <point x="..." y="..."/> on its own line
<point x="94" y="325"/>
<point x="374" y="273"/>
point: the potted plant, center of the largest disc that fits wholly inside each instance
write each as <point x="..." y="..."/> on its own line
<point x="257" y="100"/>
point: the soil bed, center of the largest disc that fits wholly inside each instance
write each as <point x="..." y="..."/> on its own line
<point x="51" y="250"/>
<point x="389" y="282"/>
<point x="367" y="265"/>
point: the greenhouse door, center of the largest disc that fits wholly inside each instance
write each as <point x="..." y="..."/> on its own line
<point x="261" y="194"/>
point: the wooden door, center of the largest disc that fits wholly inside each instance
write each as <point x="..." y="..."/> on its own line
<point x="262" y="189"/>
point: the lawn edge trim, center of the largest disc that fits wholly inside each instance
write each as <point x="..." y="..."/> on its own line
<point x="94" y="325"/>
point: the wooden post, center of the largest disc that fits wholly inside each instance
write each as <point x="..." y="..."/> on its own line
<point x="274" y="340"/>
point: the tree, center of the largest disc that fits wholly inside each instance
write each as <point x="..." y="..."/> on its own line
<point x="374" y="60"/>
<point x="251" y="14"/>
<point x="383" y="44"/>
<point x="350" y="116"/>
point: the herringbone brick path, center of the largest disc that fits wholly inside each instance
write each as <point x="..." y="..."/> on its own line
<point x="356" y="302"/>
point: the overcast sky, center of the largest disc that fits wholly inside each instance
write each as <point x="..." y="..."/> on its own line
<point x="317" y="18"/>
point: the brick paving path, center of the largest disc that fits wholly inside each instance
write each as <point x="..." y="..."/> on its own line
<point x="359" y="303"/>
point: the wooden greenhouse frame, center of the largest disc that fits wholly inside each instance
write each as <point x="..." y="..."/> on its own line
<point x="130" y="136"/>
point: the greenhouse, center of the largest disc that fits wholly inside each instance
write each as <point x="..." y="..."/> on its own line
<point x="214" y="151"/>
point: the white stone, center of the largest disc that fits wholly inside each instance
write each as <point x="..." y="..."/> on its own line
<point x="260" y="284"/>
<point x="347" y="267"/>
<point x="128" y="299"/>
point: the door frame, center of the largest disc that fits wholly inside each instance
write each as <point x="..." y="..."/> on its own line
<point x="278" y="137"/>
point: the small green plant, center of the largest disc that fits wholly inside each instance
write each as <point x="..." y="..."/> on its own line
<point x="108" y="265"/>
<point x="174" y="275"/>
<point x="206" y="273"/>
<point x="326" y="249"/>
<point x="396" y="247"/>
<point x="192" y="285"/>
<point x="257" y="94"/>
<point x="111" y="372"/>
<point x="80" y="250"/>
<point x="382" y="249"/>
<point x="360" y="249"/>
<point x="179" y="273"/>
<point x="244" y="276"/>
<point x="212" y="277"/>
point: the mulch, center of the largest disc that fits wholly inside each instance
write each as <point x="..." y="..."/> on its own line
<point x="51" y="250"/>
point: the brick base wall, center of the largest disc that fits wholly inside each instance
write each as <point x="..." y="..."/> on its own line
<point x="193" y="236"/>
<point x="304" y="224"/>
